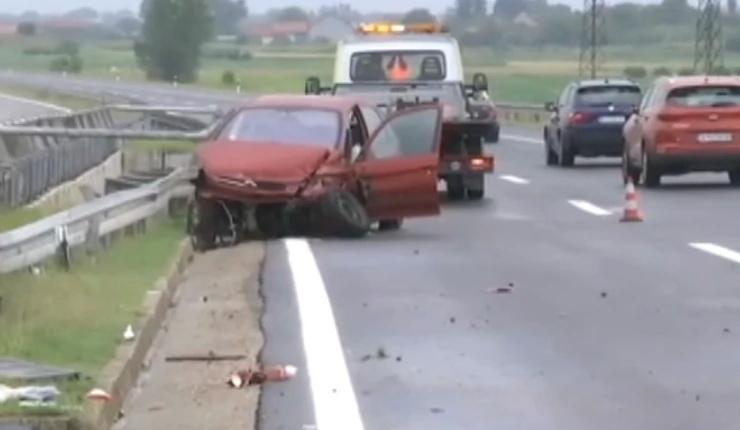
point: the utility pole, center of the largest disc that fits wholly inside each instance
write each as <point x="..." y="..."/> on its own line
<point x="593" y="36"/>
<point x="708" y="55"/>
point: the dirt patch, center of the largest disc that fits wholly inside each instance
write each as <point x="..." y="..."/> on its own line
<point x="217" y="310"/>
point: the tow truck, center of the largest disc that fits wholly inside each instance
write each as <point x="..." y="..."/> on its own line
<point x="396" y="66"/>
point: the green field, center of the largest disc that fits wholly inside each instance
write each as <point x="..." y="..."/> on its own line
<point x="75" y="319"/>
<point x="526" y="75"/>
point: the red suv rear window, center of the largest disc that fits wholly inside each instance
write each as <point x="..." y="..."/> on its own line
<point x="705" y="96"/>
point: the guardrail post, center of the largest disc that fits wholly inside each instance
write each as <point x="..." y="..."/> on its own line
<point x="64" y="248"/>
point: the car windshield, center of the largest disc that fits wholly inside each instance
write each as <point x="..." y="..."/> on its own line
<point x="389" y="94"/>
<point x="705" y="96"/>
<point x="608" y="95"/>
<point x="285" y="125"/>
<point x="397" y="66"/>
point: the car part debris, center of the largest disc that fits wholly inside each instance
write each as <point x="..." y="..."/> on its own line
<point x="243" y="378"/>
<point x="206" y="357"/>
<point x="31" y="393"/>
<point x="128" y="334"/>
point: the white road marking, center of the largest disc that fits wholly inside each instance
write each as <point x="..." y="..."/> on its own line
<point x="522" y="139"/>
<point x="589" y="207"/>
<point x="514" y="179"/>
<point x="717" y="250"/>
<point x="36" y="102"/>
<point x="334" y="400"/>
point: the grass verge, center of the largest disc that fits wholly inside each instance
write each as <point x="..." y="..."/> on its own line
<point x="75" y="319"/>
<point x="63" y="100"/>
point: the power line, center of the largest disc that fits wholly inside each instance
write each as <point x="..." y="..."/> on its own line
<point x="593" y="37"/>
<point x="708" y="55"/>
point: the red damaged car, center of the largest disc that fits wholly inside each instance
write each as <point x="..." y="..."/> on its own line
<point x="286" y="165"/>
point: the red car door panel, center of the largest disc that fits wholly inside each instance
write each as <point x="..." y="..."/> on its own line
<point x="399" y="168"/>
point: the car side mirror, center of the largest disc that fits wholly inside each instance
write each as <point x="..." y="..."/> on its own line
<point x="480" y="82"/>
<point x="550" y="107"/>
<point x="313" y="85"/>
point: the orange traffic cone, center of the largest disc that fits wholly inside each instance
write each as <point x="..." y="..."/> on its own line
<point x="632" y="211"/>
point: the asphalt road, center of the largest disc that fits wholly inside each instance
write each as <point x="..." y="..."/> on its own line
<point x="606" y="325"/>
<point x="14" y="108"/>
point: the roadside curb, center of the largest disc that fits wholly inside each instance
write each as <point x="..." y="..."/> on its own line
<point x="119" y="376"/>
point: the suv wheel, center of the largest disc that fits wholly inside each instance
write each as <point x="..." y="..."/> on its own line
<point x="567" y="157"/>
<point x="650" y="175"/>
<point x="455" y="188"/>
<point x="551" y="158"/>
<point x="734" y="177"/>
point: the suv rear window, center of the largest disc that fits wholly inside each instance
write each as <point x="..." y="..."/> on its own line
<point x="595" y="96"/>
<point x="397" y="66"/>
<point x="705" y="96"/>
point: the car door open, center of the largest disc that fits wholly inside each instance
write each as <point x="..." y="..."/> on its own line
<point x="399" y="168"/>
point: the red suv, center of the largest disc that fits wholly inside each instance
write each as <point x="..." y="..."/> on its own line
<point x="684" y="124"/>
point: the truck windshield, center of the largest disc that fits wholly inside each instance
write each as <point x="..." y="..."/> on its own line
<point x="397" y="66"/>
<point x="389" y="94"/>
<point x="285" y="125"/>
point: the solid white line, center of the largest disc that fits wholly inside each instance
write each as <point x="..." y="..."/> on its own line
<point x="522" y="139"/>
<point x="334" y="400"/>
<point x="514" y="179"/>
<point x="719" y="251"/>
<point x="589" y="207"/>
<point x="36" y="103"/>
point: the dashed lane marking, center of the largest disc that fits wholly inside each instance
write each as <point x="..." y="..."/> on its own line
<point x="334" y="400"/>
<point x="523" y="139"/>
<point x="589" y="207"/>
<point x="514" y="179"/>
<point x="717" y="250"/>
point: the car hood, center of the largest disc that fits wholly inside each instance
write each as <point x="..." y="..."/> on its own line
<point x="261" y="161"/>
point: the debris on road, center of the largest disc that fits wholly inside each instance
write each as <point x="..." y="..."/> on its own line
<point x="603" y="294"/>
<point x="501" y="290"/>
<point x="98" y="394"/>
<point x="726" y="330"/>
<point x="211" y="356"/>
<point x="452" y="320"/>
<point x="128" y="334"/>
<point x="247" y="377"/>
<point x="381" y="354"/>
<point x="436" y="410"/>
<point x="399" y="358"/>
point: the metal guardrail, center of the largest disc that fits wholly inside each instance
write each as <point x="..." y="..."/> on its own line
<point x="522" y="113"/>
<point x="85" y="224"/>
<point x="41" y="153"/>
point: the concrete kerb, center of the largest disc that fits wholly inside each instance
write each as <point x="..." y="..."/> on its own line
<point x="120" y="375"/>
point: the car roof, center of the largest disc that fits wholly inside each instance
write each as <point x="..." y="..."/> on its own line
<point x="606" y="81"/>
<point x="338" y="103"/>
<point x="359" y="39"/>
<point x="699" y="80"/>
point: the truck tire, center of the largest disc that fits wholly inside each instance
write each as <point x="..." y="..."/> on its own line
<point x="475" y="187"/>
<point x="343" y="215"/>
<point x="455" y="188"/>
<point x="734" y="177"/>
<point x="390" y="224"/>
<point x="492" y="134"/>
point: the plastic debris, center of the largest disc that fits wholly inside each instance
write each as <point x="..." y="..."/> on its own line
<point x="247" y="377"/>
<point x="128" y="334"/>
<point x="32" y="393"/>
<point x="98" y="394"/>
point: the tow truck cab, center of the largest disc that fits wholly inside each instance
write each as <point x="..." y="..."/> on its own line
<point x="397" y="66"/>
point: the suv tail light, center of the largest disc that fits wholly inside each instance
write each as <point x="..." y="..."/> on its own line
<point x="580" y="118"/>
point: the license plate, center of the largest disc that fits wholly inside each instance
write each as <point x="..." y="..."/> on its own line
<point x="611" y="119"/>
<point x="714" y="137"/>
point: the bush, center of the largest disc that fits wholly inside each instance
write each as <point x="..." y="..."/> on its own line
<point x="40" y="50"/>
<point x="59" y="64"/>
<point x="228" y="78"/>
<point x="75" y="64"/>
<point x="662" y="71"/>
<point x="685" y="71"/>
<point x="635" y="72"/>
<point x="69" y="48"/>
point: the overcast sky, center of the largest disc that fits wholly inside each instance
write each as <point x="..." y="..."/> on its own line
<point x="56" y="6"/>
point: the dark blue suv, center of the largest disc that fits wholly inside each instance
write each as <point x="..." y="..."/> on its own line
<point x="587" y="121"/>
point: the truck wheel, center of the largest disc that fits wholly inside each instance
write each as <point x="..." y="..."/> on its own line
<point x="734" y="177"/>
<point x="455" y="188"/>
<point x="476" y="194"/>
<point x="492" y="134"/>
<point x="201" y="224"/>
<point x="390" y="224"/>
<point x="475" y="187"/>
<point x="343" y="215"/>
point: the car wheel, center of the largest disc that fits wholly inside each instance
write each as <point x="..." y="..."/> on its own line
<point x="390" y="224"/>
<point x="344" y="215"/>
<point x="650" y="175"/>
<point x="567" y="157"/>
<point x="455" y="188"/>
<point x="201" y="224"/>
<point x="551" y="157"/>
<point x="734" y="177"/>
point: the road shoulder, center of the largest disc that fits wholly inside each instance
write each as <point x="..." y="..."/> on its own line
<point x="217" y="309"/>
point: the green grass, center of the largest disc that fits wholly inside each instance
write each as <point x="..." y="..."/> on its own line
<point x="14" y="218"/>
<point x="75" y="319"/>
<point x="168" y="146"/>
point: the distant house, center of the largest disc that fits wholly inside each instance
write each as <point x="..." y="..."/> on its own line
<point x="8" y="29"/>
<point x="330" y="28"/>
<point x="271" y="32"/>
<point x="524" y="19"/>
